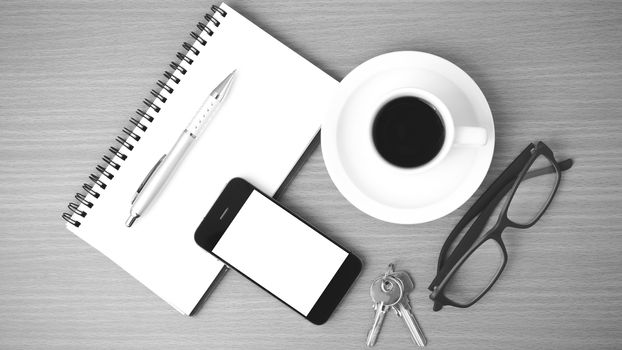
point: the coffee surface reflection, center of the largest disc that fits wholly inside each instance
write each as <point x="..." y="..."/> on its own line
<point x="408" y="132"/>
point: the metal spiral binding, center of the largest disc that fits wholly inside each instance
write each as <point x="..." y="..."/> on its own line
<point x="183" y="57"/>
<point x="191" y="48"/>
<point x="145" y="115"/>
<point x="97" y="181"/>
<point x="131" y="134"/>
<point x="89" y="189"/>
<point x="138" y="124"/>
<point x="203" y="28"/>
<point x="117" y="153"/>
<point x="120" y="153"/>
<point x="104" y="172"/>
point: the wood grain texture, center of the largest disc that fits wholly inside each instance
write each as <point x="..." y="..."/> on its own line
<point x="74" y="71"/>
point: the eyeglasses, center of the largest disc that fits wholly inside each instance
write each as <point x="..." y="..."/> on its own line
<point x="467" y="272"/>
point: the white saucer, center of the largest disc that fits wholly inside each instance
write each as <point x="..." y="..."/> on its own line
<point x="385" y="191"/>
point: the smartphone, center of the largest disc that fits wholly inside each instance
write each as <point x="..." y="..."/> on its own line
<point x="278" y="251"/>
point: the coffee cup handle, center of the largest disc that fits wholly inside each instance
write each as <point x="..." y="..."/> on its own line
<point x="470" y="135"/>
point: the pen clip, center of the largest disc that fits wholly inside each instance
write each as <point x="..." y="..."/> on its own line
<point x="149" y="175"/>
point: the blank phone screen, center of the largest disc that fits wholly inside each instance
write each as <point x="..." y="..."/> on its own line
<point x="279" y="252"/>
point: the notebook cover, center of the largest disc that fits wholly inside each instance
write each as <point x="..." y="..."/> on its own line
<point x="271" y="115"/>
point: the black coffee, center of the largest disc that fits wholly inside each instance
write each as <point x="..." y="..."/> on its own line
<point x="408" y="132"/>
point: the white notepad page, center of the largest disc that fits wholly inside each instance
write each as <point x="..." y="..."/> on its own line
<point x="268" y="119"/>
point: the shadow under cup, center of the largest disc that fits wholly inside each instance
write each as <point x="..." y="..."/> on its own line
<point x="408" y="132"/>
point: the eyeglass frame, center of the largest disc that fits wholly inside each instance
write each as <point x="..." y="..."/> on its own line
<point x="516" y="171"/>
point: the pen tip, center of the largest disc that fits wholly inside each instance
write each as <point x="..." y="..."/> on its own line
<point x="130" y="221"/>
<point x="221" y="90"/>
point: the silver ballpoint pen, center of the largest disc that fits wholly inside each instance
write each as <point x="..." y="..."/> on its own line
<point x="156" y="178"/>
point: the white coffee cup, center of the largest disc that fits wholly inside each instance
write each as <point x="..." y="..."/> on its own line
<point x="454" y="135"/>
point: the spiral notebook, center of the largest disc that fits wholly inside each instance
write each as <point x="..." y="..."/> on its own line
<point x="268" y="120"/>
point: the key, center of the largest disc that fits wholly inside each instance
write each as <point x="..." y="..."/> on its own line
<point x="385" y="291"/>
<point x="404" y="310"/>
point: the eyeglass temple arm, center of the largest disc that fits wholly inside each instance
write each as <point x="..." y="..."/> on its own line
<point x="474" y="231"/>
<point x="563" y="166"/>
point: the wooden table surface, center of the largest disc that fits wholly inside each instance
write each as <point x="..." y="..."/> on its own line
<point x="74" y="71"/>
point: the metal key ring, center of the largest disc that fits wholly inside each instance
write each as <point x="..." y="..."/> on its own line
<point x="394" y="281"/>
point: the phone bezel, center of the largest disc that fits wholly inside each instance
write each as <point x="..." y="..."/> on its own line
<point x="232" y="199"/>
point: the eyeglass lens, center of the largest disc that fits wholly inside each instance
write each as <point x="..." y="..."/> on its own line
<point x="532" y="194"/>
<point x="475" y="274"/>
